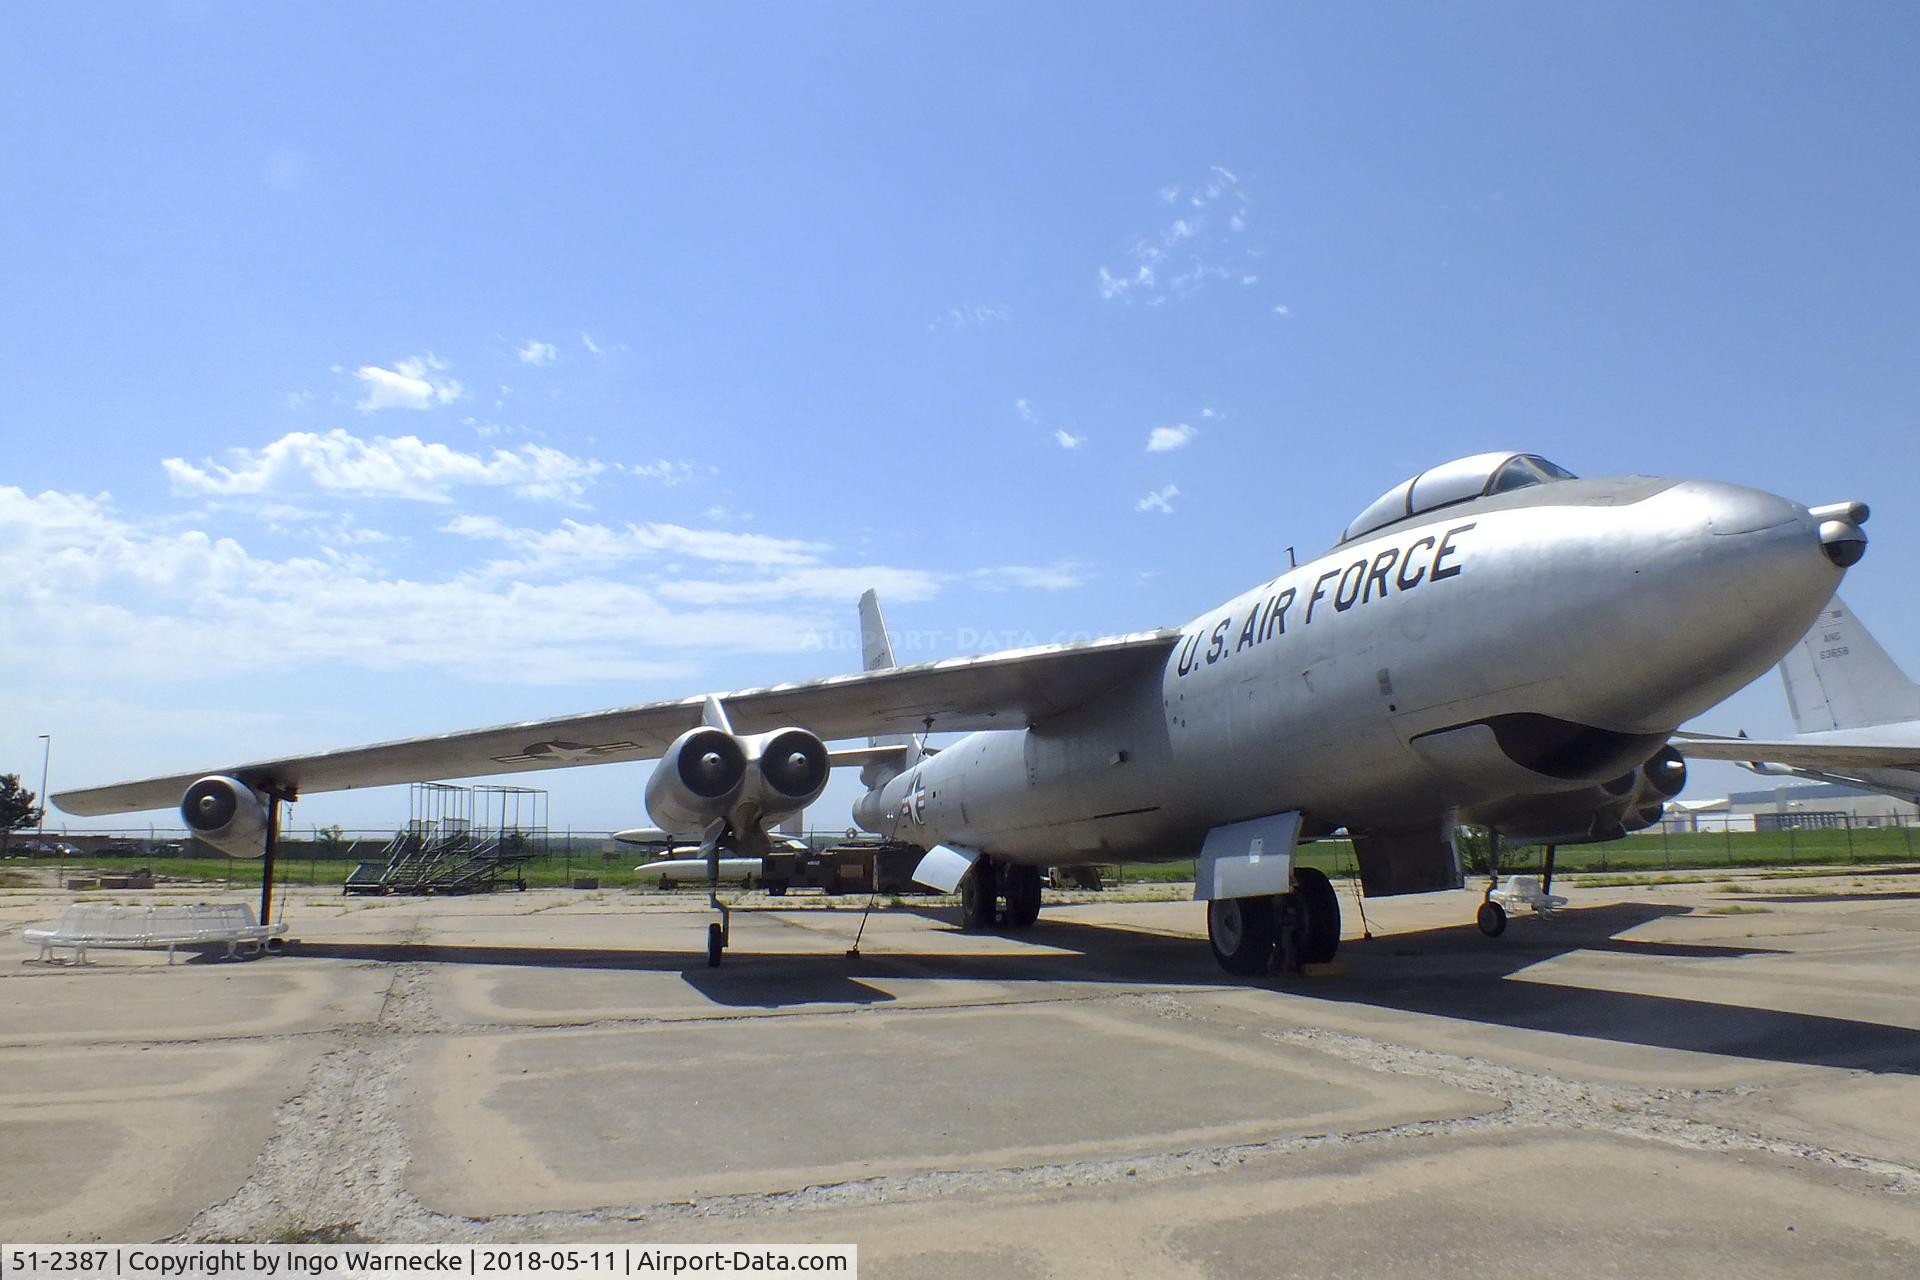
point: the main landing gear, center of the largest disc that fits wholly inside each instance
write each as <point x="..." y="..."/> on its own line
<point x="988" y="883"/>
<point x="1252" y="935"/>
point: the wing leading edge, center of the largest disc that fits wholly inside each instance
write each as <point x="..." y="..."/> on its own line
<point x="995" y="691"/>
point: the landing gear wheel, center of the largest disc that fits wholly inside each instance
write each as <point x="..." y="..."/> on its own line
<point x="716" y="943"/>
<point x="979" y="895"/>
<point x="1242" y="932"/>
<point x="1321" y="906"/>
<point x="1023" y="896"/>
<point x="1492" y="919"/>
<point x="777" y="890"/>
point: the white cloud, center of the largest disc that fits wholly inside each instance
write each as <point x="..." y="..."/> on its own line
<point x="1063" y="576"/>
<point x="1207" y="240"/>
<point x="666" y="472"/>
<point x="1162" y="439"/>
<point x="1283" y="310"/>
<point x="91" y="591"/>
<point x="414" y="383"/>
<point x="586" y="340"/>
<point x="383" y="467"/>
<point x="972" y="315"/>
<point x="1160" y="500"/>
<point x="537" y="353"/>
<point x="825" y="583"/>
<point x="1119" y="286"/>
<point x="1025" y="410"/>
<point x="574" y="543"/>
<point x="1068" y="440"/>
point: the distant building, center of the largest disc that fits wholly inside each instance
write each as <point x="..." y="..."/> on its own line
<point x="1821" y="804"/>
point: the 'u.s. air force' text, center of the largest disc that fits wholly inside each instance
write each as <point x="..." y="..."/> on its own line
<point x="1396" y="569"/>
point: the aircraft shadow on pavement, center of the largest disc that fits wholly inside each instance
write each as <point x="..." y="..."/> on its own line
<point x="1450" y="971"/>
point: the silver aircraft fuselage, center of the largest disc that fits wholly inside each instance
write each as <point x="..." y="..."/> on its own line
<point x="1527" y="644"/>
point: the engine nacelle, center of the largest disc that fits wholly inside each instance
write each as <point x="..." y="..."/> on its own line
<point x="697" y="781"/>
<point x="793" y="765"/>
<point x="1591" y="815"/>
<point x="751" y="780"/>
<point x="227" y="814"/>
<point x="1664" y="776"/>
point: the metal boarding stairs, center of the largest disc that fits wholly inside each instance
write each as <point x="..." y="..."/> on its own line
<point x="458" y="862"/>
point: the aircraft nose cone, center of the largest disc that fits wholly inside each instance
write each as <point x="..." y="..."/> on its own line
<point x="1733" y="510"/>
<point x="1727" y="579"/>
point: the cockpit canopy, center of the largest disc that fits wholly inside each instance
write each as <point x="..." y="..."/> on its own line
<point x="1461" y="480"/>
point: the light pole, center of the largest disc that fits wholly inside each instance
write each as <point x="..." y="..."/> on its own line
<point x="46" y="757"/>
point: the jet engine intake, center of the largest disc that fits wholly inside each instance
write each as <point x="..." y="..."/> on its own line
<point x="751" y="780"/>
<point x="698" y="780"/>
<point x="794" y="765"/>
<point x="1664" y="776"/>
<point x="227" y="814"/>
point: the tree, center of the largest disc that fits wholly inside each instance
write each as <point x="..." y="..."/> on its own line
<point x="17" y="808"/>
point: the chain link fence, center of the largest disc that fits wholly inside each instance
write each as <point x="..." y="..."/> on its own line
<point x="327" y="856"/>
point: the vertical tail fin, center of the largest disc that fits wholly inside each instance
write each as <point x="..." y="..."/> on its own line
<point x="876" y="654"/>
<point x="1838" y="677"/>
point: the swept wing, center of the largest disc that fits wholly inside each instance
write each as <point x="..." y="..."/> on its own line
<point x="995" y="691"/>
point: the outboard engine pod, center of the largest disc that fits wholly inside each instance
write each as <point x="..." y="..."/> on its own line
<point x="795" y="765"/>
<point x="227" y="814"/>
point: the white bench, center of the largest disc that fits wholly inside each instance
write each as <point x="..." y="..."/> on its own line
<point x="1524" y="891"/>
<point x="207" y="924"/>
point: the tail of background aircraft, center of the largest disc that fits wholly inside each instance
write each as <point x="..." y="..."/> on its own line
<point x="1838" y="677"/>
<point x="876" y="653"/>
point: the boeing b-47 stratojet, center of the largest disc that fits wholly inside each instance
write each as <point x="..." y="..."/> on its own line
<point x="1493" y="642"/>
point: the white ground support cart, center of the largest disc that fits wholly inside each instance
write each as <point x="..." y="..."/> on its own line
<point x="1525" y="891"/>
<point x="83" y="928"/>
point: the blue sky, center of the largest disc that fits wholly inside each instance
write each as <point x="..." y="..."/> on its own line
<point x="379" y="370"/>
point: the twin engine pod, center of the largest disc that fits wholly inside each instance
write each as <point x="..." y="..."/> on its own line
<point x="1606" y="811"/>
<point x="227" y="814"/>
<point x="709" y="773"/>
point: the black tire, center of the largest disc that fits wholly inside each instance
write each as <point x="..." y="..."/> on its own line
<point x="716" y="943"/>
<point x="1242" y="932"/>
<point x="1023" y="896"/>
<point x="1492" y="919"/>
<point x="1321" y="906"/>
<point x="776" y="891"/>
<point x="979" y="895"/>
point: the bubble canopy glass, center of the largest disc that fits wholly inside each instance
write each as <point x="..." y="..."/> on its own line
<point x="1461" y="480"/>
